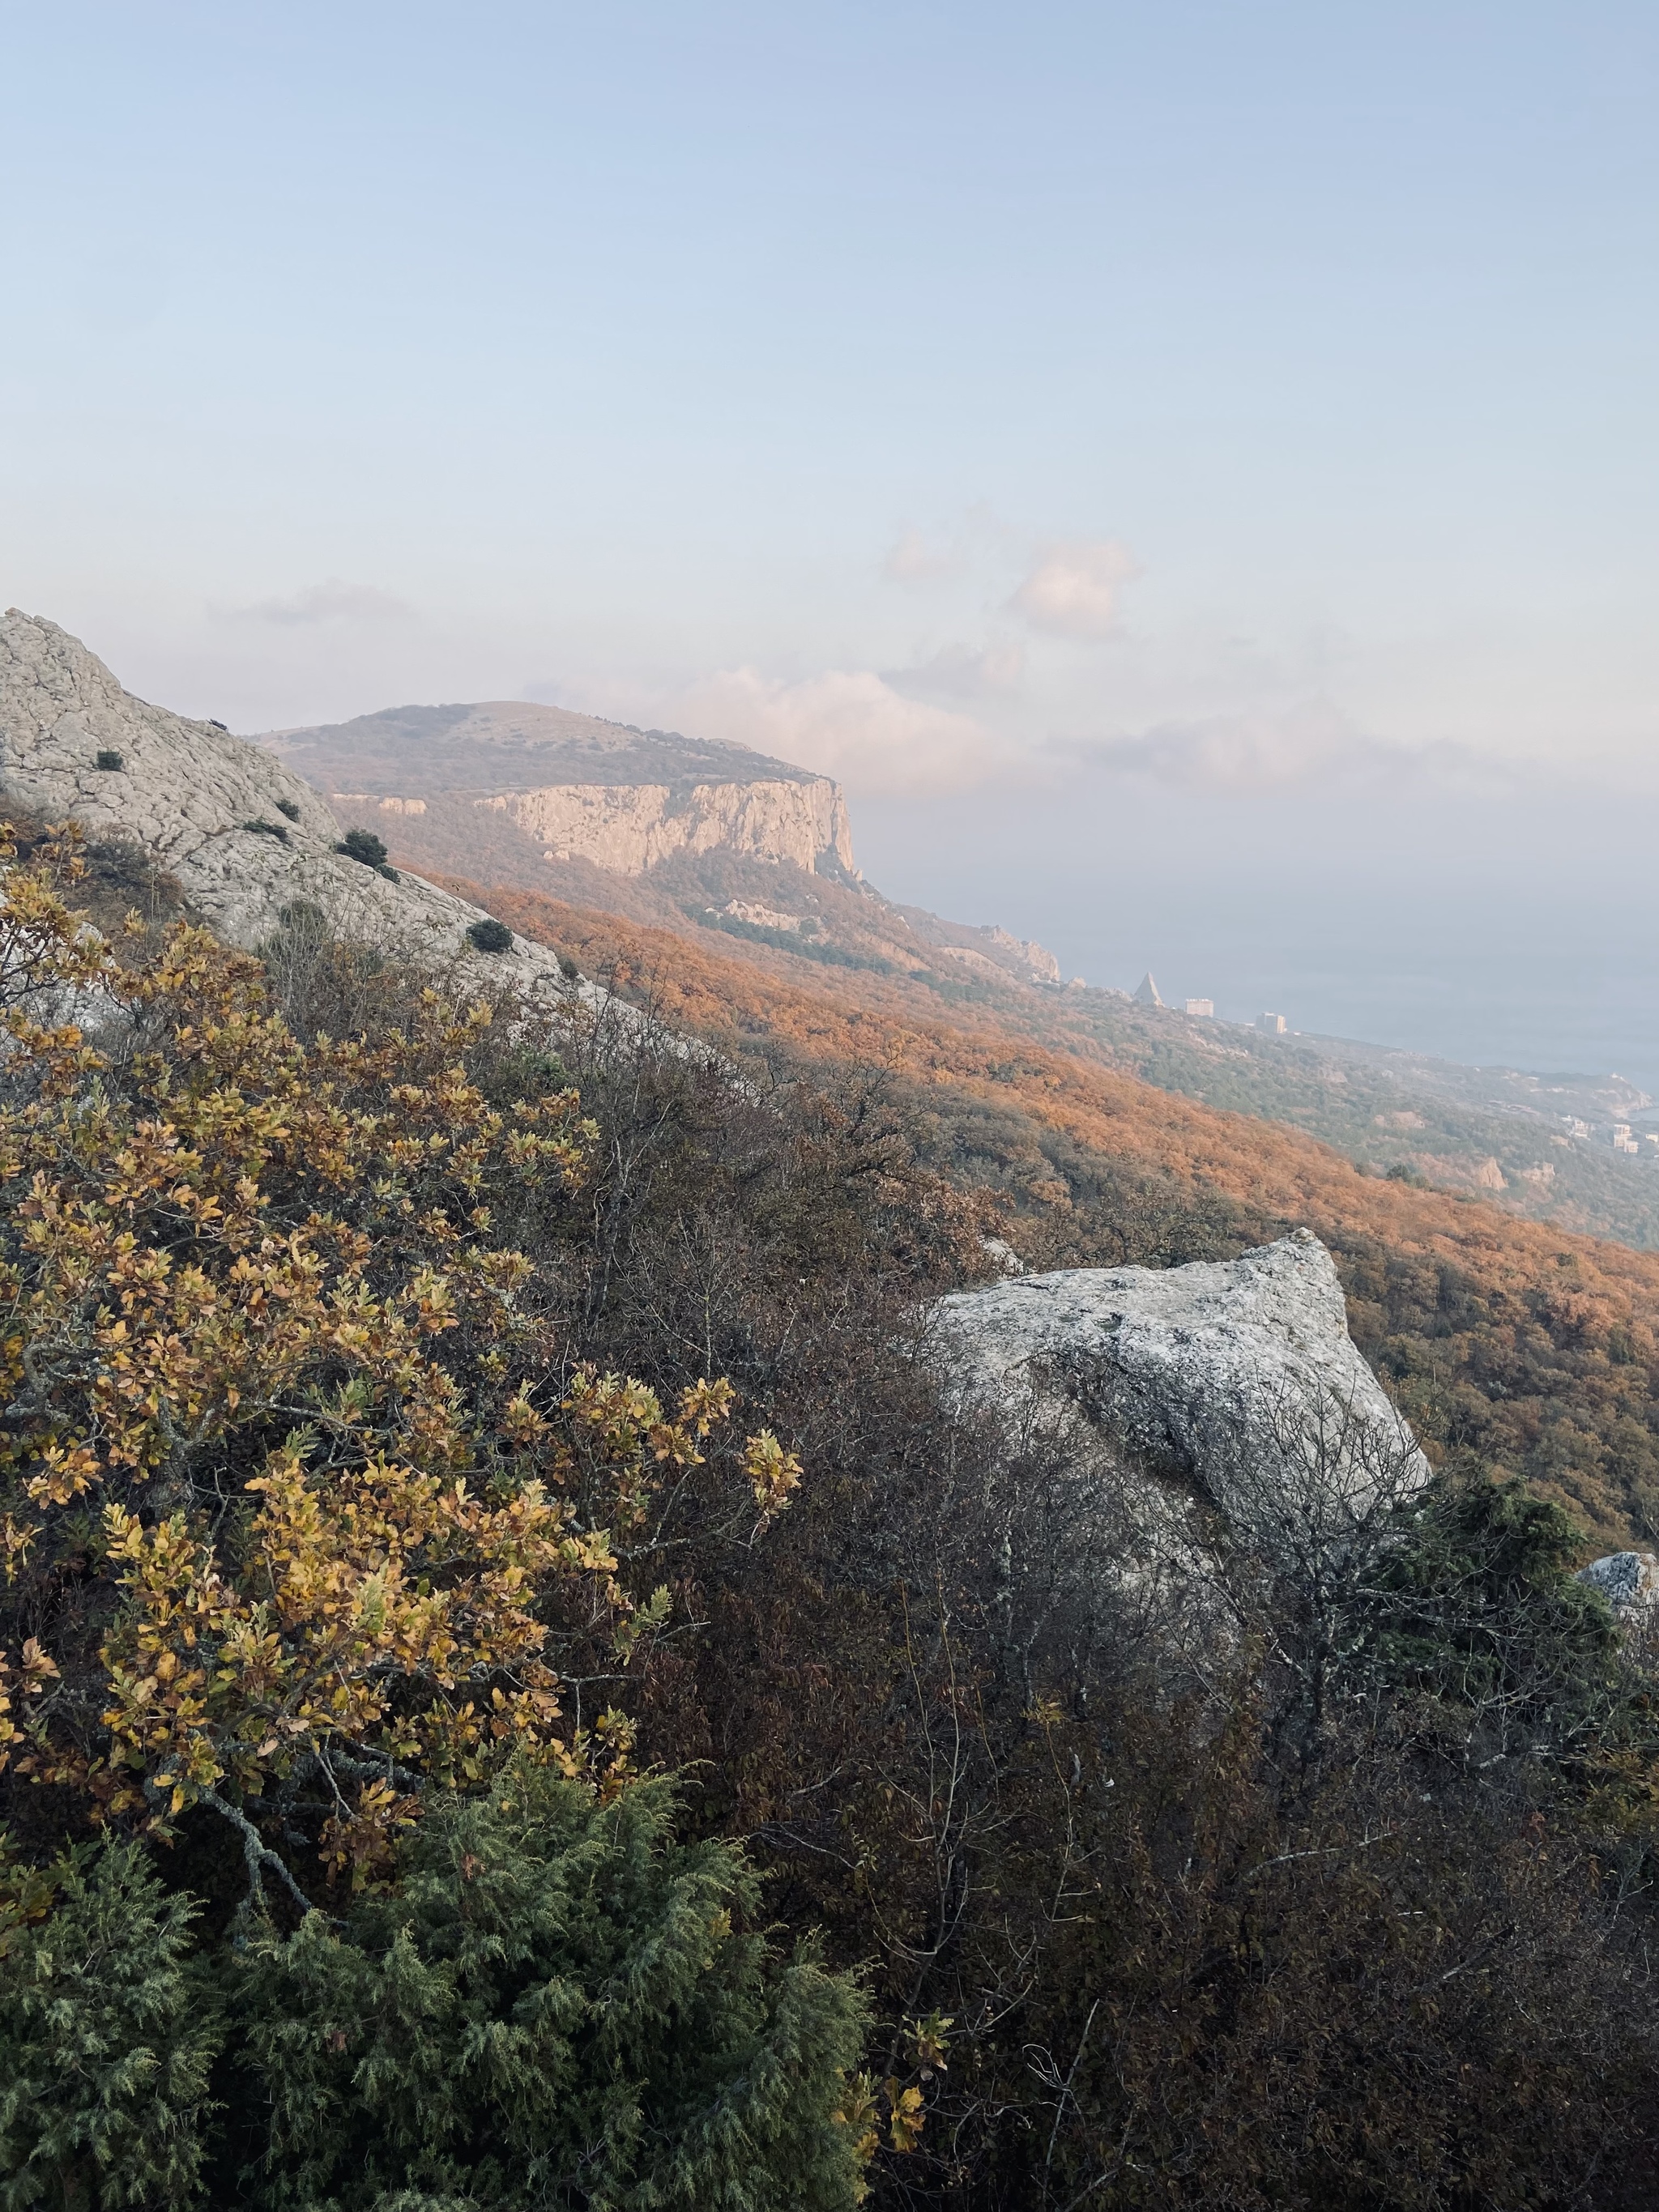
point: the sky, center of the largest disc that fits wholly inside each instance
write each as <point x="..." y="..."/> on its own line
<point x="1190" y="471"/>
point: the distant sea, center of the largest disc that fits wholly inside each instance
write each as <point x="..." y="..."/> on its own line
<point x="1516" y="926"/>
<point x="1562" y="1014"/>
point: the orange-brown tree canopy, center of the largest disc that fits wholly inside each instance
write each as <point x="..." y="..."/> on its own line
<point x="296" y="1486"/>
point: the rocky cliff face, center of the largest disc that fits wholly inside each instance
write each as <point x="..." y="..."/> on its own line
<point x="629" y="827"/>
<point x="244" y="836"/>
<point x="579" y="788"/>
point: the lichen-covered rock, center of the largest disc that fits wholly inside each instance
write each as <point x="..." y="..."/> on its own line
<point x="1628" y="1580"/>
<point x="244" y="837"/>
<point x="1238" y="1376"/>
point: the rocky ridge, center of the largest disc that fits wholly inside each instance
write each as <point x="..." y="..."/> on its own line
<point x="244" y="835"/>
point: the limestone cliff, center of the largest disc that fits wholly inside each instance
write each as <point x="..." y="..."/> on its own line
<point x="629" y="827"/>
<point x="624" y="799"/>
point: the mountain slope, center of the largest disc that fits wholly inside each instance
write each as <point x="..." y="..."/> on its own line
<point x="247" y="840"/>
<point x="1533" y="1347"/>
<point x="1537" y="1348"/>
<point x="694" y="836"/>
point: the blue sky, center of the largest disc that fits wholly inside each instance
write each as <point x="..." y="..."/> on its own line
<point x="1084" y="402"/>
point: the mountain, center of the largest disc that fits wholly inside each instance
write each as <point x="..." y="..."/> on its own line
<point x="409" y="1423"/>
<point x="1111" y="1132"/>
<point x="646" y="823"/>
<point x="700" y="838"/>
<point x="689" y="833"/>
<point x="539" y="785"/>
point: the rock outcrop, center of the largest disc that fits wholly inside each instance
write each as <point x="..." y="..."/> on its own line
<point x="244" y="836"/>
<point x="1237" y="1377"/>
<point x="1628" y="1580"/>
<point x="580" y="789"/>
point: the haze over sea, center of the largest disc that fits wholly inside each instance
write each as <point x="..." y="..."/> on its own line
<point x="1189" y="471"/>
<point x="1504" y="920"/>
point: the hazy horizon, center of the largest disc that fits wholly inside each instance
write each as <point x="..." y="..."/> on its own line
<point x="1189" y="473"/>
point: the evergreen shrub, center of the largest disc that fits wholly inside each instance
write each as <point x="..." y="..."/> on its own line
<point x="556" y="2003"/>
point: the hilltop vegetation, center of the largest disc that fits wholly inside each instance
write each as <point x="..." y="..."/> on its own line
<point x="1494" y="1133"/>
<point x="1535" y="1351"/>
<point x="520" y="1691"/>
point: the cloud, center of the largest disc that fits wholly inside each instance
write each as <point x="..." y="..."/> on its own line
<point x="960" y="672"/>
<point x="847" y="723"/>
<point x="1073" y="590"/>
<point x="911" y="559"/>
<point x="1276" y="749"/>
<point x="332" y="600"/>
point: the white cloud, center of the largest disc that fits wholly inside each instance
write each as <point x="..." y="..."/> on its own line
<point x="960" y="672"/>
<point x="1073" y="590"/>
<point x="332" y="600"/>
<point x="911" y="559"/>
<point x="847" y="723"/>
<point x="1277" y="748"/>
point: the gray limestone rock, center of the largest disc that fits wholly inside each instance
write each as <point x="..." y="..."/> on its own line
<point x="188" y="792"/>
<point x="1628" y="1580"/>
<point x="1237" y="1377"/>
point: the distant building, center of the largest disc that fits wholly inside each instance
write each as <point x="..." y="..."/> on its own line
<point x="1201" y="1007"/>
<point x="1273" y="1024"/>
<point x="1622" y="1140"/>
<point x="1574" y="1126"/>
<point x="1146" y="992"/>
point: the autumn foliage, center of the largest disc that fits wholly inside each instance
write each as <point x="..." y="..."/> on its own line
<point x="1533" y="1346"/>
<point x="297" y="1491"/>
<point x="519" y="1690"/>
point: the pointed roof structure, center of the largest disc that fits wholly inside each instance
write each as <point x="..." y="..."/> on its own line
<point x="1146" y="992"/>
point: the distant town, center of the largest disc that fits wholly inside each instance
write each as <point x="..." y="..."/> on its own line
<point x="1621" y="1136"/>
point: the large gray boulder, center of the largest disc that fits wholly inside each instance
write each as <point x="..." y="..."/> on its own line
<point x="1236" y="1378"/>
<point x="187" y="790"/>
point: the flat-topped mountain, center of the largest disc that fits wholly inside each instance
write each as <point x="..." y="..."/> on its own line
<point x="572" y="786"/>
<point x="500" y="745"/>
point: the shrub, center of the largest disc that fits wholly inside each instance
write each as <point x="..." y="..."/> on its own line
<point x="363" y="845"/>
<point x="290" y="808"/>
<point x="106" y="2037"/>
<point x="264" y="829"/>
<point x="558" y="2004"/>
<point x="490" y="936"/>
<point x="341" y="1515"/>
<point x="568" y="968"/>
<point x="309" y="1410"/>
<point x="110" y="759"/>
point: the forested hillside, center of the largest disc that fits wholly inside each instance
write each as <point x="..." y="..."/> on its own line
<point x="1535" y="1350"/>
<point x="519" y="1689"/>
